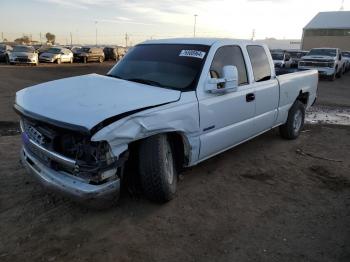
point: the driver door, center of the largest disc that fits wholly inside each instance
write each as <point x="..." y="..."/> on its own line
<point x="226" y="119"/>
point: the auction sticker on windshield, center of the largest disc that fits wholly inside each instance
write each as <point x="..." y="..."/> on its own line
<point x="192" y="53"/>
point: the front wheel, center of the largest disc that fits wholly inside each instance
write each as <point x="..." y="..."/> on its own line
<point x="295" y="121"/>
<point x="332" y="77"/>
<point x="157" y="168"/>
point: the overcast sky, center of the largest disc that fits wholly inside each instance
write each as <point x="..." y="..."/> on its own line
<point x="145" y="19"/>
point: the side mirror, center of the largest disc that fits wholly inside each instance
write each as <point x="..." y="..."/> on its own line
<point x="228" y="82"/>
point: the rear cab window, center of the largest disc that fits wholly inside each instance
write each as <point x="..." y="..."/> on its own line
<point x="260" y="63"/>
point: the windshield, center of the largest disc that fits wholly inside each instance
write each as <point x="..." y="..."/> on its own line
<point x="277" y="56"/>
<point x="84" y="50"/>
<point x="296" y="54"/>
<point x="175" y="66"/>
<point x="54" y="51"/>
<point x="346" y="54"/>
<point x="26" y="49"/>
<point x="323" y="52"/>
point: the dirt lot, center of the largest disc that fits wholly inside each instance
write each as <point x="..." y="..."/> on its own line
<point x="266" y="200"/>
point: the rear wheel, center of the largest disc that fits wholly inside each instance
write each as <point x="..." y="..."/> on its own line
<point x="157" y="169"/>
<point x="295" y="121"/>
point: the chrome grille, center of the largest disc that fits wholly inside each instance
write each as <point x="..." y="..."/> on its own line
<point x="34" y="134"/>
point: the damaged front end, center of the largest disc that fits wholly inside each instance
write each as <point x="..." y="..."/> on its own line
<point x="68" y="161"/>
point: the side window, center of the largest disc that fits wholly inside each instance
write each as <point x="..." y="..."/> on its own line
<point x="260" y="63"/>
<point x="229" y="55"/>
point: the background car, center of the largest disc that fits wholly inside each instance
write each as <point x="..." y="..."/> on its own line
<point x="281" y="59"/>
<point x="88" y="54"/>
<point x="114" y="53"/>
<point x="328" y="61"/>
<point x="22" y="54"/>
<point x="57" y="55"/>
<point x="5" y="51"/>
<point x="346" y="57"/>
<point x="72" y="48"/>
<point x="295" y="57"/>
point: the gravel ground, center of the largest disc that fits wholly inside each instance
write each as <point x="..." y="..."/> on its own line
<point x="266" y="200"/>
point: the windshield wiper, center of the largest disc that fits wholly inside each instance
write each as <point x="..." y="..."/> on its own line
<point x="145" y="81"/>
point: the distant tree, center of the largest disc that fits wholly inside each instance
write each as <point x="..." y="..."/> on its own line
<point x="50" y="38"/>
<point x="23" y="40"/>
<point x="5" y="40"/>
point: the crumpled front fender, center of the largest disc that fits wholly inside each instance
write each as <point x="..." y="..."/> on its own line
<point x="181" y="117"/>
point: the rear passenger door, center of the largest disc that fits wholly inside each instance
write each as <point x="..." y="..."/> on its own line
<point x="266" y="88"/>
<point x="226" y="119"/>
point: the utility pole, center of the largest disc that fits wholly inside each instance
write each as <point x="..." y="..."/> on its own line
<point x="2" y="36"/>
<point x="342" y="6"/>
<point x="41" y="42"/>
<point x="126" y="39"/>
<point x="253" y="34"/>
<point x="71" y="39"/>
<point x="96" y="31"/>
<point x="194" y="27"/>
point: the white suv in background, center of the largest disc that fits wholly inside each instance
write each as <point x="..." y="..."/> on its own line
<point x="57" y="55"/>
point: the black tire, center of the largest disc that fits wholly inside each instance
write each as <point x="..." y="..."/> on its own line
<point x="295" y="121"/>
<point x="332" y="77"/>
<point x="338" y="73"/>
<point x="157" y="169"/>
<point x="7" y="59"/>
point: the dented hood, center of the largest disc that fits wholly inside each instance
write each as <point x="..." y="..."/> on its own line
<point x="86" y="101"/>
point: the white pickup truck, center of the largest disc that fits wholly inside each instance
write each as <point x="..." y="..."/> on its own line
<point x="328" y="61"/>
<point x="166" y="105"/>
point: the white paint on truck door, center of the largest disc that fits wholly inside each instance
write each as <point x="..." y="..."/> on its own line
<point x="266" y="88"/>
<point x="226" y="119"/>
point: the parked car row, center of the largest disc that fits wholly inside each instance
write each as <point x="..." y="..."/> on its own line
<point x="23" y="54"/>
<point x="329" y="62"/>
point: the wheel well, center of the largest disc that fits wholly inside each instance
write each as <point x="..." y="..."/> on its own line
<point x="303" y="97"/>
<point x="178" y="144"/>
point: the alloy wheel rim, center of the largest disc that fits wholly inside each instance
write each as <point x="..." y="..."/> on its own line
<point x="297" y="122"/>
<point x="169" y="166"/>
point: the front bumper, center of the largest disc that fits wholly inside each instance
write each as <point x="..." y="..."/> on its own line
<point x="46" y="59"/>
<point x="22" y="61"/>
<point x="69" y="185"/>
<point x="323" y="71"/>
